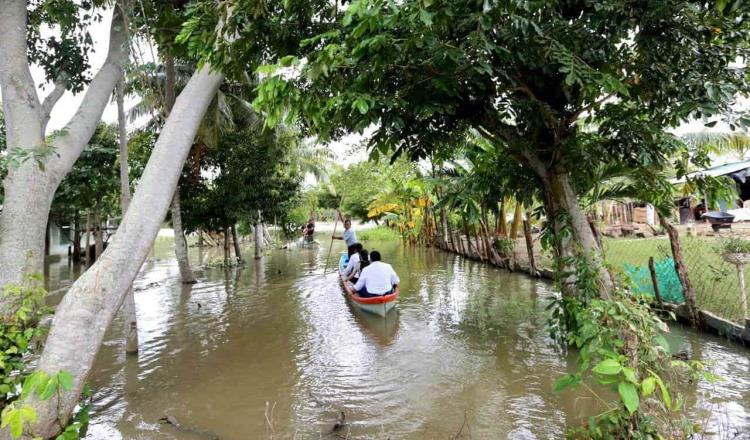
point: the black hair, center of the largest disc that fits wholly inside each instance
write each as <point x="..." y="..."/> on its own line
<point x="364" y="259"/>
<point x="353" y="249"/>
<point x="374" y="256"/>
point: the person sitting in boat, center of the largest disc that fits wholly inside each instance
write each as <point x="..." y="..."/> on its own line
<point x="377" y="279"/>
<point x="349" y="236"/>
<point x="364" y="261"/>
<point x="308" y="232"/>
<point x="352" y="266"/>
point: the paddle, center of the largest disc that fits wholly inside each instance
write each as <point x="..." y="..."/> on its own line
<point x="335" y="224"/>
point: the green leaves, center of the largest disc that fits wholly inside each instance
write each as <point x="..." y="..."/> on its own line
<point x="648" y="385"/>
<point x="425" y="17"/>
<point x="608" y="367"/>
<point x="567" y="381"/>
<point x="361" y="105"/>
<point x="15" y="417"/>
<point x="629" y="396"/>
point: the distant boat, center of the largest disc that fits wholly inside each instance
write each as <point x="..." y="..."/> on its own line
<point x="378" y="305"/>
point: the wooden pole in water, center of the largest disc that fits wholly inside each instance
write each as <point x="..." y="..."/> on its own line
<point x="335" y="224"/>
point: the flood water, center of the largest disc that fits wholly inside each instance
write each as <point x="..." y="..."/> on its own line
<point x="273" y="350"/>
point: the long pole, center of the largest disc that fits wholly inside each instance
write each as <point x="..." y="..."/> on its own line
<point x="335" y="224"/>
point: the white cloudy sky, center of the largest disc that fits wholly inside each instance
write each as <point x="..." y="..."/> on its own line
<point x="68" y="104"/>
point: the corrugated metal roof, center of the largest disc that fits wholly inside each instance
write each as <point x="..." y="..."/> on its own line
<point x="719" y="170"/>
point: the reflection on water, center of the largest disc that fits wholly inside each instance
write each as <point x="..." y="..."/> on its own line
<point x="273" y="349"/>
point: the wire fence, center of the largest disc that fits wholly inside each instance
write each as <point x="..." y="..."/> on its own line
<point x="714" y="280"/>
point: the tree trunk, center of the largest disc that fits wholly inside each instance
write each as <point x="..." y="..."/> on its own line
<point x="480" y="249"/>
<point x="468" y="236"/>
<point x="492" y="254"/>
<point x="516" y="221"/>
<point x="226" y="247"/>
<point x="503" y="229"/>
<point x="682" y="273"/>
<point x="564" y="209"/>
<point x="180" y="243"/>
<point x="128" y="304"/>
<point x="77" y="240"/>
<point x="86" y="311"/>
<point x="88" y="239"/>
<point x="258" y="229"/>
<point x="29" y="189"/>
<point x="237" y="251"/>
<point x="563" y="194"/>
<point x="530" y="247"/>
<point x="98" y="235"/>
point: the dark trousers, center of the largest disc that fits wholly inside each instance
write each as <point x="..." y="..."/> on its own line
<point x="365" y="294"/>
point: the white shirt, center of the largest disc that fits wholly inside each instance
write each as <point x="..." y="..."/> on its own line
<point x="352" y="265"/>
<point x="349" y="236"/>
<point x="378" y="278"/>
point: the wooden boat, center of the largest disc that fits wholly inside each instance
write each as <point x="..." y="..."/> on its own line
<point x="378" y="305"/>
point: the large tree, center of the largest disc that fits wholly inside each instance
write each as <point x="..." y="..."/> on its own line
<point x="43" y="162"/>
<point x="88" y="308"/>
<point x="527" y="76"/>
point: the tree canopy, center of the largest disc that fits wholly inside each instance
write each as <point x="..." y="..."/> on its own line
<point x="562" y="88"/>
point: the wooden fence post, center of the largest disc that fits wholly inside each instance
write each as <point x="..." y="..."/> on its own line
<point x="654" y="280"/>
<point x="682" y="274"/>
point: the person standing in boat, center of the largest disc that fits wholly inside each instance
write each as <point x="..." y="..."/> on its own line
<point x="349" y="236"/>
<point x="377" y="279"/>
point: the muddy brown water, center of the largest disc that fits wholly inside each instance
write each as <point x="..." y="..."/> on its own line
<point x="272" y="350"/>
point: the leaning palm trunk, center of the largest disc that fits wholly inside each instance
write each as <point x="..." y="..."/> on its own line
<point x="88" y="308"/>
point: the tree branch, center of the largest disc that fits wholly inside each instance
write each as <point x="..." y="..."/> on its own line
<point x="572" y="119"/>
<point x="20" y="100"/>
<point x="51" y="100"/>
<point x="77" y="133"/>
<point x="552" y="121"/>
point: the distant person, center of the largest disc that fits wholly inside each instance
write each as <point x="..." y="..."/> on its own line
<point x="309" y="231"/>
<point x="348" y="236"/>
<point x="377" y="279"/>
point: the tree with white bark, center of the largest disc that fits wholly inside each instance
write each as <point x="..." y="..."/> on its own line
<point x="88" y="308"/>
<point x="30" y="185"/>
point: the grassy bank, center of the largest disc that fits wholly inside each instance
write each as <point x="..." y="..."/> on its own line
<point x="378" y="233"/>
